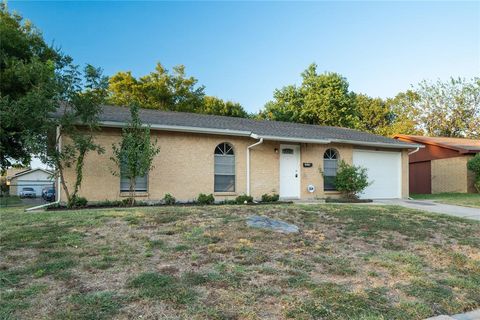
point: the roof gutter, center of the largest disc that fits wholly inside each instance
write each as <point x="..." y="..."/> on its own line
<point x="301" y="140"/>
<point x="379" y="144"/>
<point x="228" y="132"/>
<point x="241" y="133"/>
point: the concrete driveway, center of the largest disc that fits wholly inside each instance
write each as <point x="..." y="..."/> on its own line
<point x="32" y="202"/>
<point x="431" y="206"/>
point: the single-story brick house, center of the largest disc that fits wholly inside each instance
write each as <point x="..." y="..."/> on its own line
<point x="230" y="156"/>
<point x="442" y="165"/>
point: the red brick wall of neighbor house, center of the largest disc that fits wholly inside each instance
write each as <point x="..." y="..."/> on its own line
<point x="430" y="152"/>
<point x="420" y="177"/>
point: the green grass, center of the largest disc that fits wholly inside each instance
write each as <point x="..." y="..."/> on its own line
<point x="348" y="262"/>
<point x="10" y="201"/>
<point x="460" y="199"/>
<point x="12" y="300"/>
<point x="163" y="287"/>
<point x="91" y="306"/>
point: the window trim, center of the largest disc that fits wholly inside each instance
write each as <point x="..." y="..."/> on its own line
<point x="336" y="158"/>
<point x="136" y="191"/>
<point x="226" y="153"/>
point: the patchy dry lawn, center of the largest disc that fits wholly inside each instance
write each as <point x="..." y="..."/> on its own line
<point x="348" y="262"/>
<point x="459" y="199"/>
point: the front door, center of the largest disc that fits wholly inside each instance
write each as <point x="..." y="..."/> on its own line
<point x="289" y="171"/>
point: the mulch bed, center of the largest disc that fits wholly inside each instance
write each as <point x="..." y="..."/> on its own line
<point x="187" y="204"/>
<point x="344" y="200"/>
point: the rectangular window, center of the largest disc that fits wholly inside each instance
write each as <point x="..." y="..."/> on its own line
<point x="141" y="183"/>
<point x="224" y="173"/>
<point x="224" y="183"/>
<point x="329" y="173"/>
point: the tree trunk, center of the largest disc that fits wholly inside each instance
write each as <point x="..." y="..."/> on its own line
<point x="60" y="168"/>
<point x="78" y="172"/>
<point x="62" y="181"/>
<point x="132" y="191"/>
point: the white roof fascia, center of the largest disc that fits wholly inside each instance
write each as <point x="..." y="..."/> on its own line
<point x="379" y="144"/>
<point x="227" y="132"/>
<point x="30" y="171"/>
<point x="241" y="133"/>
<point x="300" y="140"/>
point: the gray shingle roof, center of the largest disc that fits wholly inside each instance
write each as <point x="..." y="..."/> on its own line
<point x="262" y="128"/>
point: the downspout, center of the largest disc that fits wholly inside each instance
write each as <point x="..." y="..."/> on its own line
<point x="412" y="152"/>
<point x="58" y="193"/>
<point x="254" y="136"/>
<point x="59" y="185"/>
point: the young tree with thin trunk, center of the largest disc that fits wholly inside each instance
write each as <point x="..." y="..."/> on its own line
<point x="78" y="105"/>
<point x="133" y="156"/>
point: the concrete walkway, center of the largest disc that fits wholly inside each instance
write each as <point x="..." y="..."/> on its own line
<point x="431" y="206"/>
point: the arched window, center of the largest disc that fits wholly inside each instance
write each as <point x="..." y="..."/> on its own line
<point x="224" y="168"/>
<point x="330" y="162"/>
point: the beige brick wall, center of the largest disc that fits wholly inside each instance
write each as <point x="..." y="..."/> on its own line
<point x="450" y="175"/>
<point x="185" y="167"/>
<point x="314" y="153"/>
<point x="264" y="168"/>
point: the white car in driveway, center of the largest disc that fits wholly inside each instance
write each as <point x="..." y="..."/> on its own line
<point x="28" y="192"/>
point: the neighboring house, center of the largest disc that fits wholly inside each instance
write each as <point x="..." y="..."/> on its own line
<point x="38" y="179"/>
<point x="442" y="165"/>
<point x="230" y="156"/>
<point x="7" y="175"/>
<point x="10" y="172"/>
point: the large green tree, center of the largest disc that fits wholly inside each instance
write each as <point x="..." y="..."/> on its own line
<point x="323" y="99"/>
<point x="404" y="114"/>
<point x="171" y="91"/>
<point x="374" y="114"/>
<point x="27" y="87"/>
<point x="36" y="82"/>
<point x="450" y="108"/>
<point x="217" y="106"/>
<point x="158" y="90"/>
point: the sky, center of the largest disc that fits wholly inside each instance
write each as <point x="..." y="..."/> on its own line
<point x="243" y="51"/>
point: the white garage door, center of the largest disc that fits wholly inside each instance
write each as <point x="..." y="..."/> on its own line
<point x="38" y="186"/>
<point x="384" y="171"/>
